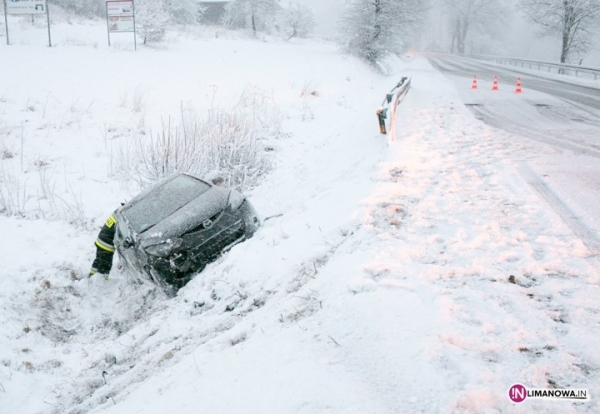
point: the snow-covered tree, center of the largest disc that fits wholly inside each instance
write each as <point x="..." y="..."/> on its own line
<point x="151" y="18"/>
<point x="87" y="8"/>
<point x="369" y="28"/>
<point x="297" y="20"/>
<point x="253" y="14"/>
<point x="572" y="21"/>
<point x="185" y="11"/>
<point x="483" y="17"/>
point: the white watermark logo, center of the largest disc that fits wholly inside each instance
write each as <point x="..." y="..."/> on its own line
<point x="518" y="393"/>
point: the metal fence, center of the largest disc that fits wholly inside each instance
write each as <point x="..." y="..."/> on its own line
<point x="559" y="68"/>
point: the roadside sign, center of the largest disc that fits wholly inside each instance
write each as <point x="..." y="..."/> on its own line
<point x="119" y="8"/>
<point x="120" y="24"/>
<point x="26" y="6"/>
<point x="120" y="18"/>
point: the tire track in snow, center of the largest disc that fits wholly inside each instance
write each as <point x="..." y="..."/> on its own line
<point x="494" y="119"/>
<point x="588" y="237"/>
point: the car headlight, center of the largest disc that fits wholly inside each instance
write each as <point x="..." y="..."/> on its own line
<point x="235" y="200"/>
<point x="163" y="249"/>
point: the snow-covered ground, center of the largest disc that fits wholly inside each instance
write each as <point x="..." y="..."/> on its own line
<point x="383" y="287"/>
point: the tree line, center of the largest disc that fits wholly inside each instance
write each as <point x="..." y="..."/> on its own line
<point x="371" y="28"/>
<point x="153" y="16"/>
<point x="572" y="23"/>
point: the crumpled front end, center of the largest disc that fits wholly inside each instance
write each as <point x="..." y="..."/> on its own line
<point x="172" y="258"/>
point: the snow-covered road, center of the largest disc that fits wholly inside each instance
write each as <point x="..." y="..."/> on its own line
<point x="565" y="117"/>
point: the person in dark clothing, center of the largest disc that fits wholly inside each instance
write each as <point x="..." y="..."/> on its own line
<point x="105" y="248"/>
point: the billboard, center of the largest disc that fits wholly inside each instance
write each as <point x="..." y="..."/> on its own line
<point x="120" y="18"/>
<point x="26" y="6"/>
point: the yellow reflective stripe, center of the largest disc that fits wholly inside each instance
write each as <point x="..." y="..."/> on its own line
<point x="105" y="246"/>
<point x="110" y="221"/>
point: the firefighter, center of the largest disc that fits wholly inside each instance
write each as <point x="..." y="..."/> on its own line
<point x="105" y="248"/>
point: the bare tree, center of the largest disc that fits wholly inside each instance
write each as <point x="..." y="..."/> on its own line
<point x="572" y="21"/>
<point x="468" y="16"/>
<point x="370" y="28"/>
<point x="255" y="14"/>
<point x="297" y="20"/>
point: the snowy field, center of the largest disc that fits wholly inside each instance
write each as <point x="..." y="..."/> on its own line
<point x="384" y="286"/>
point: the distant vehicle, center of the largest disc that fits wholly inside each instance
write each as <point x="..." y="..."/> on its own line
<point x="171" y="231"/>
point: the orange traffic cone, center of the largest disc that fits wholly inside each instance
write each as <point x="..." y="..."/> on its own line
<point x="495" y="85"/>
<point x="474" y="84"/>
<point x="518" y="90"/>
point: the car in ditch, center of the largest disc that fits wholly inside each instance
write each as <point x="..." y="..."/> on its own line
<point x="172" y="230"/>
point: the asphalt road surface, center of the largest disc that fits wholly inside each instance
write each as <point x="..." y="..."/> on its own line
<point x="562" y="116"/>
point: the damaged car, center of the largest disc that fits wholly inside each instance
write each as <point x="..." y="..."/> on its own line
<point x="171" y="231"/>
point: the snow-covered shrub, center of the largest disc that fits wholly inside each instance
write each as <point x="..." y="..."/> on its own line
<point x="223" y="144"/>
<point x="151" y="19"/>
<point x="297" y="20"/>
<point x="226" y="144"/>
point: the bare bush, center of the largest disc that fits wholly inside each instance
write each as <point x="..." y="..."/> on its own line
<point x="138" y="99"/>
<point x="15" y="196"/>
<point x="223" y="144"/>
<point x="308" y="89"/>
<point x="226" y="144"/>
<point x="258" y="105"/>
<point x="6" y="153"/>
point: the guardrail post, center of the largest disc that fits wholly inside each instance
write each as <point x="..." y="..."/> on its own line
<point x="381" y="115"/>
<point x="390" y="102"/>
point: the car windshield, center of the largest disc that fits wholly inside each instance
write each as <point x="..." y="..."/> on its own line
<point x="163" y="201"/>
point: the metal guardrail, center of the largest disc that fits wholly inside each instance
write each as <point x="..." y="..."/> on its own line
<point x="390" y="102"/>
<point x="558" y="68"/>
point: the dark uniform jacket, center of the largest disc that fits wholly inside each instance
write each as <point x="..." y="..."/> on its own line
<point x="105" y="247"/>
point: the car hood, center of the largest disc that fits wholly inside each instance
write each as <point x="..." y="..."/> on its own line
<point x="188" y="217"/>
